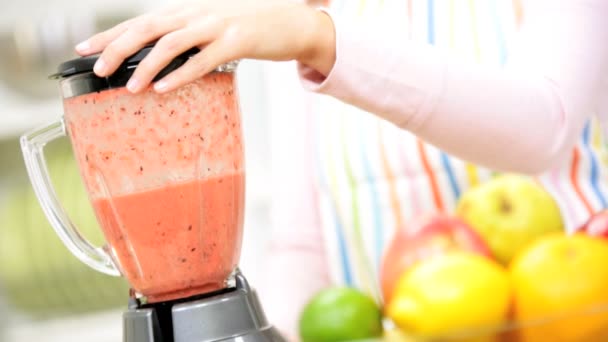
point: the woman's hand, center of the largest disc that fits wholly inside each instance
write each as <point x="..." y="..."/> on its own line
<point x="225" y="30"/>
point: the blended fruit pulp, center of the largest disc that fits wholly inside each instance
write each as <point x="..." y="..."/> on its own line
<point x="165" y="176"/>
<point x="176" y="241"/>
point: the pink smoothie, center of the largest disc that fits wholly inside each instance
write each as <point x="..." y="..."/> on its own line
<point x="179" y="240"/>
<point x="165" y="176"/>
<point x="126" y="143"/>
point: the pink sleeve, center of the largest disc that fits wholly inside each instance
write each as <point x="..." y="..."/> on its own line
<point x="521" y="118"/>
<point x="296" y="266"/>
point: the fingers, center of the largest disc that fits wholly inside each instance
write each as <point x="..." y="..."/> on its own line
<point x="169" y="47"/>
<point x="136" y="36"/>
<point x="218" y="52"/>
<point x="176" y="31"/>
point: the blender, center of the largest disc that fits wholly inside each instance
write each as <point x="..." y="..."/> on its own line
<point x="165" y="176"/>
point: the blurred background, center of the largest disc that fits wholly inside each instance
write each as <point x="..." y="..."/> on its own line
<point x="45" y="293"/>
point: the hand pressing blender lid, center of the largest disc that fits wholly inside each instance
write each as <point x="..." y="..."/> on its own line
<point x="165" y="176"/>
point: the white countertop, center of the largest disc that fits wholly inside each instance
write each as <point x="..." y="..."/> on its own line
<point x="99" y="327"/>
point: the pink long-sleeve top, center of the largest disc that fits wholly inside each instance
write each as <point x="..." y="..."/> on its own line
<point x="525" y="116"/>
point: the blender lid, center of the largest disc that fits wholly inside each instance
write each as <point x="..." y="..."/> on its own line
<point x="77" y="77"/>
<point x="85" y="64"/>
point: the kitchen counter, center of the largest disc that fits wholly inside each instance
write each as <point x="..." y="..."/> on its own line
<point x="98" y="327"/>
<point x="101" y="327"/>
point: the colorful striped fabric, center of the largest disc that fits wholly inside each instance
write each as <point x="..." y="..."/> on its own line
<point x="374" y="177"/>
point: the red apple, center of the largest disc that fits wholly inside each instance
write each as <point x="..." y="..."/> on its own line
<point x="427" y="236"/>
<point x="597" y="225"/>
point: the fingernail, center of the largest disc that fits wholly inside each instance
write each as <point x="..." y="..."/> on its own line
<point x="160" y="85"/>
<point x="133" y="85"/>
<point x="100" y="67"/>
<point x="84" y="46"/>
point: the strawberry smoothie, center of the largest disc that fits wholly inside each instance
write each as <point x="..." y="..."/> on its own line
<point x="165" y="175"/>
<point x="179" y="240"/>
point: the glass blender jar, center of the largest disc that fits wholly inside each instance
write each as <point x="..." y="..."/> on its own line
<point x="165" y="176"/>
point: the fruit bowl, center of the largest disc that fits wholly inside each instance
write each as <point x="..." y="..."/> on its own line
<point x="540" y="283"/>
<point x="501" y="267"/>
<point x="557" y="290"/>
<point x="536" y="331"/>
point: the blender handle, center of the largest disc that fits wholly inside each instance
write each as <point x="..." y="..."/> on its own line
<point x="32" y="146"/>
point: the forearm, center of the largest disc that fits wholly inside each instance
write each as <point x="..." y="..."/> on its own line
<point x="520" y="118"/>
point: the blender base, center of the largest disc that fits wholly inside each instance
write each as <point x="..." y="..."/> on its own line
<point x="231" y="315"/>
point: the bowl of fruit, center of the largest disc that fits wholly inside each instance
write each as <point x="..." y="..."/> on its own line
<point x="500" y="267"/>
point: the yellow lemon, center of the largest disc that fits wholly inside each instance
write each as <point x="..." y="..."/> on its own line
<point x="458" y="293"/>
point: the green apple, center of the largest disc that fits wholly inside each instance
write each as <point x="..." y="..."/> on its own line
<point x="509" y="212"/>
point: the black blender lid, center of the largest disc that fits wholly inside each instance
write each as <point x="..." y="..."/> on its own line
<point x="78" y="78"/>
<point x="85" y="64"/>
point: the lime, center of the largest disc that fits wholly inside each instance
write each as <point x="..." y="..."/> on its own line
<point x="340" y="314"/>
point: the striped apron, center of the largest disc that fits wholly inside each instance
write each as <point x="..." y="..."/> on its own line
<point x="373" y="177"/>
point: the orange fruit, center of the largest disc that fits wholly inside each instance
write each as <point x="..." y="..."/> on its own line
<point x="560" y="284"/>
